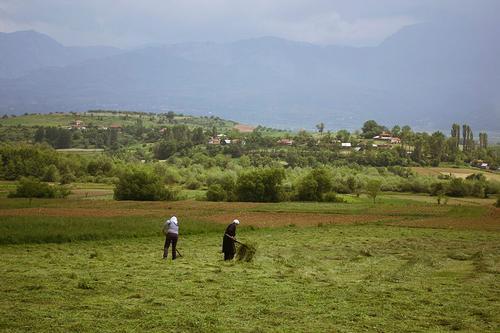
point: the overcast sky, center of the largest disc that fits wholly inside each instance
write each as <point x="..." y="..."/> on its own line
<point x="131" y="23"/>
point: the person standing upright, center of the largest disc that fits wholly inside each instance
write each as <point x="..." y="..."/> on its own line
<point x="171" y="231"/>
<point x="228" y="246"/>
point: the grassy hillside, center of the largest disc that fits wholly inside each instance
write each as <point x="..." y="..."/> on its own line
<point x="114" y="118"/>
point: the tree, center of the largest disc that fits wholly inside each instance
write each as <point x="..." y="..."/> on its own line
<point x="396" y="131"/>
<point x="455" y="133"/>
<point x="170" y="116"/>
<point x="371" y="129"/>
<point x="39" y="134"/>
<point x="406" y="136"/>
<point x="343" y="135"/>
<point x="483" y="140"/>
<point x="418" y="148"/>
<point x="373" y="188"/>
<point x="468" y="138"/>
<point x="198" y="137"/>
<point x="64" y="139"/>
<point x="320" y="127"/>
<point x="164" y="149"/>
<point x="436" y="146"/>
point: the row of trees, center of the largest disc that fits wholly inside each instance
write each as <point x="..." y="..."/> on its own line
<point x="228" y="179"/>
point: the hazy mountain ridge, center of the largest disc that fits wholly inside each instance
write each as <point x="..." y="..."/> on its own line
<point x="288" y="84"/>
<point x="26" y="51"/>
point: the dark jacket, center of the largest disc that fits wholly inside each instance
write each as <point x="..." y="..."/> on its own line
<point x="227" y="242"/>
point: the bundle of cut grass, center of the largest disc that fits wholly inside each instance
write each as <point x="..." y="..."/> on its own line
<point x="246" y="252"/>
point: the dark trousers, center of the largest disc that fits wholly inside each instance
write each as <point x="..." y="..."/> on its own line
<point x="170" y="238"/>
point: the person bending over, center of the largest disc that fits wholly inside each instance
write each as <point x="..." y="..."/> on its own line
<point x="228" y="246"/>
<point x="171" y="231"/>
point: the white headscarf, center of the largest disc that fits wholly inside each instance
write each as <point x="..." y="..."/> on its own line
<point x="236" y="221"/>
<point x="174" y="219"/>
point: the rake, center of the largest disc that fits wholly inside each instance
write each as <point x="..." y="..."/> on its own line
<point x="245" y="252"/>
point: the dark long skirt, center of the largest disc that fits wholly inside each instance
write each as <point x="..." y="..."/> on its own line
<point x="228" y="246"/>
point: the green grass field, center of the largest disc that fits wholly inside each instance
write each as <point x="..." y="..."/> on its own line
<point x="79" y="265"/>
<point x="318" y="279"/>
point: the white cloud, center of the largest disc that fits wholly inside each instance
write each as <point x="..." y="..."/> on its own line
<point x="132" y="22"/>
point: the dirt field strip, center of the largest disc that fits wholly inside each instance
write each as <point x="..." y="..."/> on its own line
<point x="244" y="128"/>
<point x="455" y="172"/>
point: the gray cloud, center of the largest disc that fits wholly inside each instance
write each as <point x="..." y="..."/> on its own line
<point x="131" y="23"/>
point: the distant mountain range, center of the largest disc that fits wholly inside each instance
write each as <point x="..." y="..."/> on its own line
<point x="427" y="75"/>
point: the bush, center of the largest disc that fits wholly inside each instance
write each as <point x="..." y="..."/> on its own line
<point x="457" y="188"/>
<point x="67" y="178"/>
<point x="493" y="187"/>
<point x="193" y="184"/>
<point x="438" y="188"/>
<point x="141" y="185"/>
<point x="314" y="185"/>
<point x="227" y="183"/>
<point x="333" y="197"/>
<point x="216" y="193"/>
<point x="260" y="185"/>
<point x="33" y="188"/>
<point x="51" y="174"/>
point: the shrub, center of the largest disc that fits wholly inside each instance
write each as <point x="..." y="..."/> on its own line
<point x="457" y="188"/>
<point x="67" y="178"/>
<point x="493" y="187"/>
<point x="33" y="188"/>
<point x="216" y="193"/>
<point x="51" y="174"/>
<point x="193" y="184"/>
<point x="140" y="185"/>
<point x="314" y="185"/>
<point x="260" y="185"/>
<point x="438" y="188"/>
<point x="476" y="176"/>
<point x="332" y="197"/>
<point x="226" y="181"/>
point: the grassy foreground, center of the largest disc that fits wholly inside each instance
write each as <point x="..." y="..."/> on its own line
<point x="337" y="278"/>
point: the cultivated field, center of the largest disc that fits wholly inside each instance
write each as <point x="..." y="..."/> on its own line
<point x="87" y="264"/>
<point x="244" y="128"/>
<point x="456" y="172"/>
